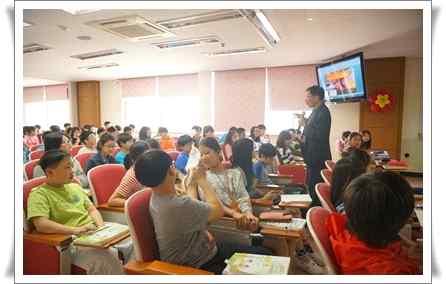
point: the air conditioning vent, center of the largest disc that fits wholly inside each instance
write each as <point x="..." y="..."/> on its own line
<point x="98" y="66"/>
<point x="97" y="54"/>
<point x="133" y="28"/>
<point x="208" y="40"/>
<point x="205" y="18"/>
<point x="34" y="47"/>
<point x="236" y="51"/>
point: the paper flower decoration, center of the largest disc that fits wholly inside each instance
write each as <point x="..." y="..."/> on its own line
<point x="381" y="101"/>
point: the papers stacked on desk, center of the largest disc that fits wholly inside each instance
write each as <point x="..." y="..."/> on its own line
<point x="290" y="198"/>
<point x="255" y="264"/>
<point x="296" y="224"/>
<point x="103" y="236"/>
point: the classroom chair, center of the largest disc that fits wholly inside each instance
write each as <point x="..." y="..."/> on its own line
<point x="103" y="180"/>
<point x="326" y="176"/>
<point x="28" y="168"/>
<point x="74" y="150"/>
<point x="53" y="248"/>
<point x="35" y="155"/>
<point x="316" y="222"/>
<point x="299" y="173"/>
<point x="323" y="191"/>
<point x="143" y="237"/>
<point x="173" y="155"/>
<point x="83" y="158"/>
<point x="330" y="164"/>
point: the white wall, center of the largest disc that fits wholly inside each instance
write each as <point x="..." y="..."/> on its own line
<point x="411" y="134"/>
<point x="111" y="101"/>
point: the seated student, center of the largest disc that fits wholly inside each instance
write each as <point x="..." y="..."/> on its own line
<point x="153" y="143"/>
<point x="25" y="153"/>
<point x="59" y="206"/>
<point x="241" y="132"/>
<point x="366" y="239"/>
<point x="181" y="221"/>
<point x="264" y="138"/>
<point x="196" y="135"/>
<point x="128" y="130"/>
<point x="118" y="128"/>
<point x="125" y="141"/>
<point x="128" y="184"/>
<point x="208" y="131"/>
<point x="255" y="137"/>
<point x="223" y="138"/>
<point x="75" y="136"/>
<point x="30" y="139"/>
<point x="354" y="142"/>
<point x="88" y="139"/>
<point x="283" y="148"/>
<point x="267" y="153"/>
<point x="230" y="139"/>
<point x="184" y="144"/>
<point x="57" y="141"/>
<point x="366" y="143"/>
<point x="39" y="133"/>
<point x="165" y="141"/>
<point x="145" y="133"/>
<point x="112" y="131"/>
<point x="342" y="143"/>
<point x="105" y="152"/>
<point x="100" y="131"/>
<point x="295" y="144"/>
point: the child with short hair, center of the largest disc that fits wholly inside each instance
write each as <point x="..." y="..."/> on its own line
<point x="354" y="142"/>
<point x="342" y="142"/>
<point x="59" y="206"/>
<point x="366" y="239"/>
<point x="125" y="141"/>
<point x="267" y="154"/>
<point x="208" y="131"/>
<point x="165" y="141"/>
<point x="184" y="144"/>
<point x="88" y="139"/>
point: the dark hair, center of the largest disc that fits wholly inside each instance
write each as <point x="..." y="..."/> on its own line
<point x="345" y="170"/>
<point x="292" y="130"/>
<point x="240" y="130"/>
<point x="84" y="136"/>
<point x="242" y="158"/>
<point x="143" y="133"/>
<point x="162" y="130"/>
<point x="124" y="138"/>
<point x="100" y="130"/>
<point x="52" y="158"/>
<point x="135" y="151"/>
<point x="72" y="138"/>
<point x="346" y="134"/>
<point x="283" y="136"/>
<point x="316" y="91"/>
<point x="66" y="124"/>
<point x="366" y="145"/>
<point x="377" y="207"/>
<point x="354" y="134"/>
<point x="267" y="150"/>
<point x="106" y="123"/>
<point x="104" y="139"/>
<point x="52" y="141"/>
<point x="183" y="140"/>
<point x="211" y="143"/>
<point x="127" y="129"/>
<point x="207" y="129"/>
<point x="252" y="134"/>
<point x="55" y="128"/>
<point x="151" y="167"/>
<point x="37" y="126"/>
<point x="261" y="126"/>
<point x="86" y="127"/>
<point x="196" y="128"/>
<point x="361" y="157"/>
<point x="118" y="127"/>
<point x="111" y="129"/>
<point x="228" y="138"/>
<point x="132" y="126"/>
<point x="153" y="143"/>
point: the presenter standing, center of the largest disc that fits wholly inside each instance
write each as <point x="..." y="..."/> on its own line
<point x="316" y="138"/>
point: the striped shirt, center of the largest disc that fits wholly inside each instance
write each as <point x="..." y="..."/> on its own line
<point x="285" y="155"/>
<point x="129" y="184"/>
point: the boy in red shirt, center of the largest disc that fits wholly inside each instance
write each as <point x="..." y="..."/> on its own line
<point x="366" y="240"/>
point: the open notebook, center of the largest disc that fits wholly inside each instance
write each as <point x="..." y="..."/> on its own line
<point x="103" y="236"/>
<point x="296" y="224"/>
<point x="255" y="264"/>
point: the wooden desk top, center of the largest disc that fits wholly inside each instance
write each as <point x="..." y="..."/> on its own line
<point x="295" y="205"/>
<point x="282" y="233"/>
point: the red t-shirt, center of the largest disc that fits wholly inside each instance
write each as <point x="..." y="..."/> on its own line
<point x="355" y="257"/>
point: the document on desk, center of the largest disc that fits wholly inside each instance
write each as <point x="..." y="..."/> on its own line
<point x="289" y="198"/>
<point x="296" y="224"/>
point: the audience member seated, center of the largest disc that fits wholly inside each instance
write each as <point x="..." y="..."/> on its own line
<point x="196" y="135"/>
<point x="354" y="142"/>
<point x="366" y="239"/>
<point x="208" y="131"/>
<point x="113" y="132"/>
<point x="75" y="136"/>
<point x="165" y="141"/>
<point x="295" y="145"/>
<point x="229" y="140"/>
<point x="30" y="136"/>
<point x="105" y="152"/>
<point x="366" y="143"/>
<point x="125" y="141"/>
<point x="145" y="133"/>
<point x="283" y="148"/>
<point x="263" y="166"/>
<point x="88" y="139"/>
<point x="255" y="137"/>
<point x="241" y="133"/>
<point x="101" y="131"/>
<point x="184" y="144"/>
<point x="59" y="206"/>
<point x="181" y="221"/>
<point x="57" y="141"/>
<point x="129" y="184"/>
<point x="264" y="138"/>
<point x="242" y="161"/>
<point x="342" y="143"/>
<point x="153" y="143"/>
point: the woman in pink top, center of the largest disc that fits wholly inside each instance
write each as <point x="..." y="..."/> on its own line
<point x="30" y="139"/>
<point x="231" y="137"/>
<point x="129" y="184"/>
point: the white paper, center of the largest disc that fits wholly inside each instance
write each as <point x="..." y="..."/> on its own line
<point x="295" y="198"/>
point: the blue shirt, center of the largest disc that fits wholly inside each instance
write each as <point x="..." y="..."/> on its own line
<point x="260" y="173"/>
<point x="181" y="162"/>
<point x="97" y="160"/>
<point x="119" y="157"/>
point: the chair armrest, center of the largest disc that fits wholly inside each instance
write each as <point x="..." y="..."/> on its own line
<point x="281" y="233"/>
<point x="107" y="207"/>
<point x="161" y="268"/>
<point x="262" y="202"/>
<point x="48" y="239"/>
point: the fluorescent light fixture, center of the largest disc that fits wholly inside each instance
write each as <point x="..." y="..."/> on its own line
<point x="80" y="11"/>
<point x="199" y="41"/>
<point x="27" y="24"/>
<point x="98" y="66"/>
<point x="262" y="25"/>
<point x="236" y="51"/>
<point x="197" y="19"/>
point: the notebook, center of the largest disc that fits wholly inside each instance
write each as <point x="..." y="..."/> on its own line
<point x="255" y="264"/>
<point x="103" y="236"/>
<point x="296" y="224"/>
<point x="288" y="198"/>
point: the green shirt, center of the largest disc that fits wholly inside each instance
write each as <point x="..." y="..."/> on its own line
<point x="66" y="205"/>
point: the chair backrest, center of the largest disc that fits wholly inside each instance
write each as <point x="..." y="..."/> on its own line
<point x="35" y="155"/>
<point x="74" y="150"/>
<point x="104" y="179"/>
<point x="316" y="222"/>
<point x="173" y="155"/>
<point x="29" y="168"/>
<point x="326" y="175"/>
<point x="323" y="191"/>
<point x="27" y="187"/>
<point x="35" y="147"/>
<point x="83" y="158"/>
<point x="330" y="164"/>
<point x="141" y="225"/>
<point x="299" y="172"/>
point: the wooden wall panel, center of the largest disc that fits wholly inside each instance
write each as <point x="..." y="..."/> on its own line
<point x="89" y="103"/>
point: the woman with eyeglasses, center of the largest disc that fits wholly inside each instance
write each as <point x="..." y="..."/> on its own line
<point x="105" y="152"/>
